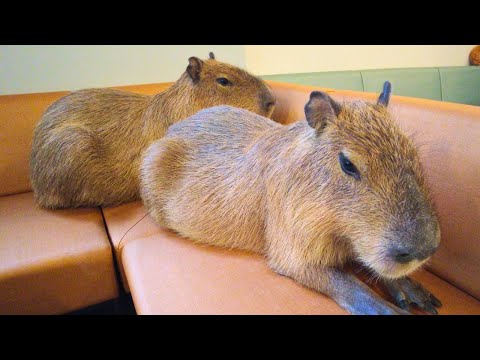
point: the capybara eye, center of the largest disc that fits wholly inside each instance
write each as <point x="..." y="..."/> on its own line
<point x="348" y="167"/>
<point x="223" y="81"/>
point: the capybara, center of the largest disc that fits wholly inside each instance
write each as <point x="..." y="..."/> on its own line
<point x="343" y="186"/>
<point x="87" y="146"/>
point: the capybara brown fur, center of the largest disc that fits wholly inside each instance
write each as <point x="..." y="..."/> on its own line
<point x="343" y="186"/>
<point x="87" y="146"/>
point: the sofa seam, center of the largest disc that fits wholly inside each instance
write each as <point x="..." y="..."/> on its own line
<point x="441" y="83"/>
<point x="363" y="84"/>
<point x="449" y="282"/>
<point x="116" y="266"/>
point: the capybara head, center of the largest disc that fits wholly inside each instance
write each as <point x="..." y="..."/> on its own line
<point x="215" y="83"/>
<point x="377" y="190"/>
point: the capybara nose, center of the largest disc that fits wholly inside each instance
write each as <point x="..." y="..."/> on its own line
<point x="268" y="101"/>
<point x="269" y="105"/>
<point x="404" y="255"/>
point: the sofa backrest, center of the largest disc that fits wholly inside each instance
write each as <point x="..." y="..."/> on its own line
<point x="460" y="84"/>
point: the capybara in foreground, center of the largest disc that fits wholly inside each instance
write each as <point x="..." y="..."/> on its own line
<point x="345" y="185"/>
<point x="87" y="146"/>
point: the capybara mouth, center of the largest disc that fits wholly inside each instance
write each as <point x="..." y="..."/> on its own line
<point x="386" y="266"/>
<point x="270" y="113"/>
<point x="391" y="269"/>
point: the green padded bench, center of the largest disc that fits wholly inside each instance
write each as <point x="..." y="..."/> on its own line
<point x="459" y="84"/>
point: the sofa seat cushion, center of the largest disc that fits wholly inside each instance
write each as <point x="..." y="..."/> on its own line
<point x="167" y="274"/>
<point x="52" y="262"/>
<point x="171" y="275"/>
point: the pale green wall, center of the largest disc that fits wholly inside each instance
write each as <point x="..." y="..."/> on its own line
<point x="26" y="69"/>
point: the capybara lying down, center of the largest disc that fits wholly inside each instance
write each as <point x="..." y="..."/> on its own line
<point x="345" y="185"/>
<point x="87" y="146"/>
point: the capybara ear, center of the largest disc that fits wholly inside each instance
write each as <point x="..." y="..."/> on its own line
<point x="194" y="68"/>
<point x="211" y="55"/>
<point x="320" y="109"/>
<point x="384" y="97"/>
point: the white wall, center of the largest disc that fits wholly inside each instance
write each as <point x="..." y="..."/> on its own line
<point x="25" y="69"/>
<point x="282" y="59"/>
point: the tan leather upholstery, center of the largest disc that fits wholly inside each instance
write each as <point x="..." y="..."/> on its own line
<point x="122" y="227"/>
<point x="171" y="275"/>
<point x="18" y="116"/>
<point x="52" y="262"/>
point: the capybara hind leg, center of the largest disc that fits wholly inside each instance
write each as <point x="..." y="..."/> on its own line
<point x="160" y="175"/>
<point x="406" y="292"/>
<point x="62" y="167"/>
<point x="51" y="200"/>
<point x="346" y="289"/>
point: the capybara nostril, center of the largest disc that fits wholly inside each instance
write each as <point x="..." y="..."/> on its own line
<point x="403" y="255"/>
<point x="269" y="104"/>
<point x="403" y="258"/>
<point x="268" y="101"/>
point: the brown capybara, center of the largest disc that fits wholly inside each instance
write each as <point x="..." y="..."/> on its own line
<point x="343" y="186"/>
<point x="87" y="146"/>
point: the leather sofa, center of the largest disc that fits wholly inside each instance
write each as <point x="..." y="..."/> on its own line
<point x="54" y="262"/>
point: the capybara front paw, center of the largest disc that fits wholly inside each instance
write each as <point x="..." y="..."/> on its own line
<point x="407" y="292"/>
<point x="377" y="308"/>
